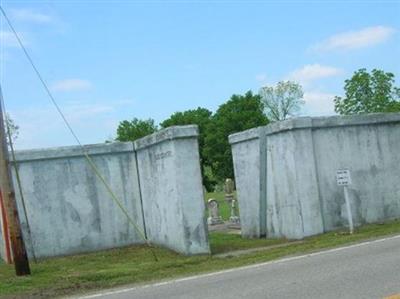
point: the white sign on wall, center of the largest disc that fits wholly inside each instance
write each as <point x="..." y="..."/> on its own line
<point x="343" y="177"/>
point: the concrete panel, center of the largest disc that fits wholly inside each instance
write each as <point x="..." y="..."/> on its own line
<point x="190" y="192"/>
<point x="308" y="193"/>
<point x="172" y="193"/>
<point x="283" y="193"/>
<point x="69" y="209"/>
<point x="302" y="156"/>
<point x="371" y="153"/>
<point x="247" y="166"/>
<point x="292" y="192"/>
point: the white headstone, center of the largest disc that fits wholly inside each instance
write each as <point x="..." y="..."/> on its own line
<point x="234" y="214"/>
<point x="213" y="212"/>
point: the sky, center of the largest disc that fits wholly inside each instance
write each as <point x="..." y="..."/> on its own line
<point x="107" y="61"/>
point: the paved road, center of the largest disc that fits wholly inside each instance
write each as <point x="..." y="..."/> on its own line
<point x="367" y="270"/>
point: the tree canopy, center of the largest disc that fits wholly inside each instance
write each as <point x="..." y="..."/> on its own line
<point x="199" y="116"/>
<point x="14" y="128"/>
<point x="282" y="101"/>
<point x="135" y="129"/>
<point x="240" y="113"/>
<point x="369" y="93"/>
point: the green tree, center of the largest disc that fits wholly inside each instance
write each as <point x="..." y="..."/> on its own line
<point x="202" y="118"/>
<point x="199" y="116"/>
<point x="14" y="129"/>
<point x="369" y="93"/>
<point x="240" y="113"/>
<point x="282" y="101"/>
<point x="135" y="129"/>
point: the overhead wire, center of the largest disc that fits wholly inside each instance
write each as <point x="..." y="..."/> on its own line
<point x="85" y="153"/>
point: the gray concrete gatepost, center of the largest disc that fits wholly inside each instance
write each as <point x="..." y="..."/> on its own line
<point x="172" y="191"/>
<point x="248" y="168"/>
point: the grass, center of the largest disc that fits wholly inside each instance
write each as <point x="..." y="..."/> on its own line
<point x="133" y="265"/>
<point x="223" y="242"/>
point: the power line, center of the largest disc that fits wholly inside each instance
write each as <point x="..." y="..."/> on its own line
<point x="88" y="158"/>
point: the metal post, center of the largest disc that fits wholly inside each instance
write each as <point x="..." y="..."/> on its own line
<point x="348" y="207"/>
<point x="20" y="257"/>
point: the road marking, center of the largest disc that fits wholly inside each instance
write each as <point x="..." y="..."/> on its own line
<point x="283" y="260"/>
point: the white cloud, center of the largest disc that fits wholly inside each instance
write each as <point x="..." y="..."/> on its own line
<point x="319" y="103"/>
<point x="72" y="84"/>
<point x="27" y="15"/>
<point x="350" y="40"/>
<point x="311" y="72"/>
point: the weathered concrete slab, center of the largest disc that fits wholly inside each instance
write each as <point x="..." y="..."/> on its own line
<point x="372" y="154"/>
<point x="172" y="191"/>
<point x="69" y="209"/>
<point x="301" y="159"/>
<point x="247" y="166"/>
<point x="293" y="208"/>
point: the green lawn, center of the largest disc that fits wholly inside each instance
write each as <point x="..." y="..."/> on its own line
<point x="223" y="242"/>
<point x="132" y="265"/>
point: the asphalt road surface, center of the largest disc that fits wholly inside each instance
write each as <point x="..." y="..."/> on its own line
<point x="366" y="270"/>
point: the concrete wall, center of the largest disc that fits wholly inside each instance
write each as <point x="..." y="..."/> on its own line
<point x="301" y="156"/>
<point x="247" y="167"/>
<point x="172" y="192"/>
<point x="70" y="210"/>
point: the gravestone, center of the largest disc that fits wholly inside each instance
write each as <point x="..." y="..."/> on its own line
<point x="234" y="218"/>
<point x="229" y="188"/>
<point x="213" y="212"/>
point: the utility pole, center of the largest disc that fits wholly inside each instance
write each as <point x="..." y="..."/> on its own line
<point x="20" y="256"/>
